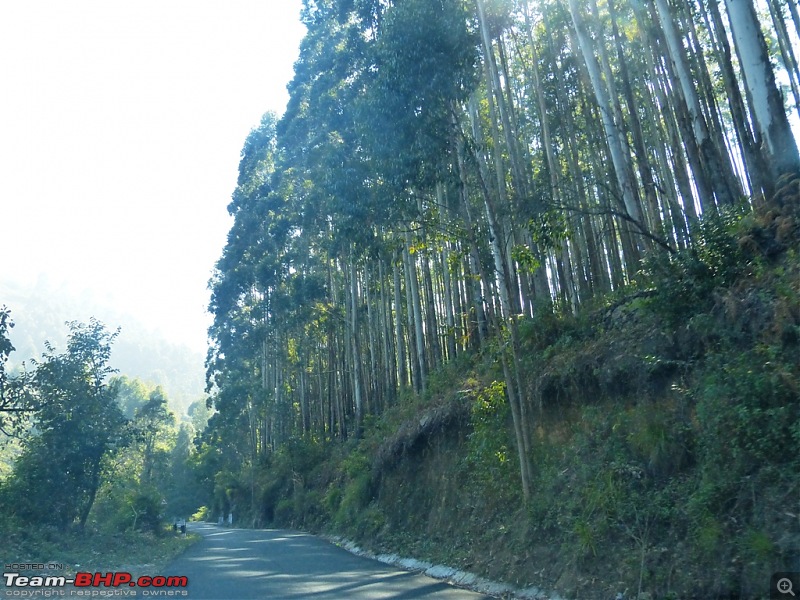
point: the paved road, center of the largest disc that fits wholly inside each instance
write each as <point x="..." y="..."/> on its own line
<point x="229" y="564"/>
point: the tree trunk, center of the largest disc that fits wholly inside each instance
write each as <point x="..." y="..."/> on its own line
<point x="715" y="166"/>
<point x="614" y="137"/>
<point x="778" y="142"/>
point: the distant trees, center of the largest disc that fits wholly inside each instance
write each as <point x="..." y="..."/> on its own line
<point x="11" y="388"/>
<point x="81" y="457"/>
<point x="78" y="425"/>
<point x="447" y="169"/>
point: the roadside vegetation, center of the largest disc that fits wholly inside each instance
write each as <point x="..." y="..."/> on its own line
<point x="93" y="550"/>
<point x="510" y="286"/>
<point x="95" y="465"/>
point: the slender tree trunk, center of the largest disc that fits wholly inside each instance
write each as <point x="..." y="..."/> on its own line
<point x="640" y="149"/>
<point x="508" y="322"/>
<point x="614" y="137"/>
<point x="778" y="144"/>
<point x="787" y="52"/>
<point x="415" y="315"/>
<point x="754" y="161"/>
<point x="402" y="368"/>
<point x="387" y="347"/>
<point x="716" y="167"/>
<point x="357" y="379"/>
<point x="450" y="320"/>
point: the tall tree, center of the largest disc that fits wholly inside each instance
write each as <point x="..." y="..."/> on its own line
<point x="778" y="141"/>
<point x="151" y="420"/>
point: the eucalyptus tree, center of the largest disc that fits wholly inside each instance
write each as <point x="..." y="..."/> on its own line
<point x="441" y="169"/>
<point x="617" y="141"/>
<point x="247" y="272"/>
<point x="780" y="147"/>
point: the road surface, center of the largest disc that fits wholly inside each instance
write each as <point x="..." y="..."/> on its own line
<point x="229" y="564"/>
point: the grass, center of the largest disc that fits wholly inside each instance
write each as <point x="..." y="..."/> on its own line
<point x="91" y="550"/>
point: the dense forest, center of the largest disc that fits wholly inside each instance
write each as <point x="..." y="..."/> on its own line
<point x="446" y="170"/>
<point x="558" y="198"/>
<point x="512" y="286"/>
<point x="551" y="197"/>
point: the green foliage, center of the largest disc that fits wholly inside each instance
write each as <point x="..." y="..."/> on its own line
<point x="124" y="505"/>
<point x="748" y="411"/>
<point x="141" y="553"/>
<point x="371" y="522"/>
<point x="549" y="228"/>
<point x="83" y="461"/>
<point x="423" y="62"/>
<point x="748" y="421"/>
<point x="6" y="348"/>
<point x="151" y="420"/>
<point x="177" y="478"/>
<point x="13" y="389"/>
<point x="284" y="511"/>
<point x="78" y="426"/>
<point x="525" y="258"/>
<point x="375" y="144"/>
<point x="146" y="507"/>
<point x="131" y="394"/>
<point x="202" y="514"/>
<point x="683" y="281"/>
<point x="355" y="498"/>
<point x="490" y="458"/>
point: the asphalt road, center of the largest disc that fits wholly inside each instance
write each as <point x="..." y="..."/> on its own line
<point x="229" y="564"/>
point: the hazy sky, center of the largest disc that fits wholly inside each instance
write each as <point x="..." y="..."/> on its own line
<point x="121" y="124"/>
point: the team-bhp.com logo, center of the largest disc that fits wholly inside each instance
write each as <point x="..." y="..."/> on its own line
<point x="158" y="585"/>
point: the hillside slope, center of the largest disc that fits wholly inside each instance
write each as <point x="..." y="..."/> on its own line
<point x="667" y="439"/>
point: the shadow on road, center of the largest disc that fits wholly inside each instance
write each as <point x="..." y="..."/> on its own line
<point x="232" y="564"/>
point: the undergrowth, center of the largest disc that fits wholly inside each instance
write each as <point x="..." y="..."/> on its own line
<point x="140" y="553"/>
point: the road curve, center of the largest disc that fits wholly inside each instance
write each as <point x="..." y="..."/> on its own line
<point x="272" y="564"/>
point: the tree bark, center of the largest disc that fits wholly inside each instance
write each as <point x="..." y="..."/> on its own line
<point x="778" y="142"/>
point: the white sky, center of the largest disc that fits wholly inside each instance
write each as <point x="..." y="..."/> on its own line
<point x="121" y="124"/>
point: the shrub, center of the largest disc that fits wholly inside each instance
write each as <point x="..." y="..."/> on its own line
<point x="491" y="458"/>
<point x="683" y="281"/>
<point x="202" y="514"/>
<point x="748" y="412"/>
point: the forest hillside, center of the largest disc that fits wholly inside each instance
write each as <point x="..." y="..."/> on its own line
<point x="515" y="285"/>
<point x="665" y="443"/>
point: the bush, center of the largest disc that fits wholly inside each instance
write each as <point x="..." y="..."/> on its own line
<point x="683" y="281"/>
<point x="145" y="505"/>
<point x="748" y="413"/>
<point x="491" y="458"/>
<point x="202" y="514"/>
<point x="357" y="495"/>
